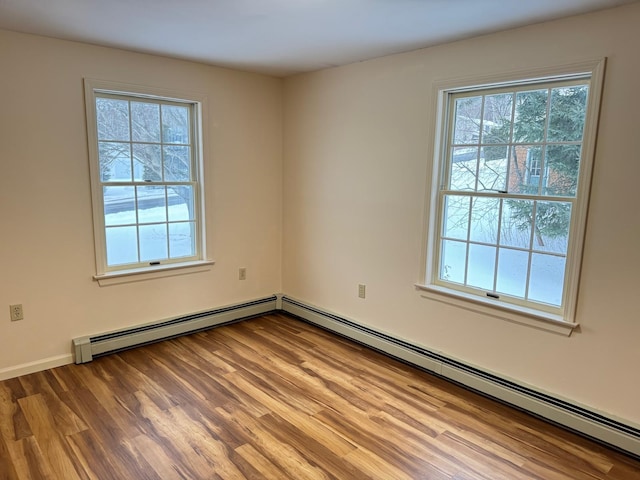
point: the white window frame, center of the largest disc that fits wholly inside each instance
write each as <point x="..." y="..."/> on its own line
<point x="561" y="320"/>
<point x="145" y="270"/>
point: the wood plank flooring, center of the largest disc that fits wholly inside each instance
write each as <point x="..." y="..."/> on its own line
<point x="275" y="398"/>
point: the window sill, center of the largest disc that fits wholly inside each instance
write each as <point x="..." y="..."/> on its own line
<point x="148" y="273"/>
<point x="512" y="313"/>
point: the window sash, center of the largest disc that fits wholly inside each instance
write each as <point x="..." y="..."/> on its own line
<point x="590" y="73"/>
<point x="490" y="293"/>
<point x="188" y="226"/>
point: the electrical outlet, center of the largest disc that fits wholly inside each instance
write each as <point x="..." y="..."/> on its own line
<point x="242" y="274"/>
<point x="362" y="290"/>
<point x="16" y="312"/>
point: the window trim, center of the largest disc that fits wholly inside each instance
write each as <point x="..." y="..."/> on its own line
<point x="126" y="273"/>
<point x="594" y="69"/>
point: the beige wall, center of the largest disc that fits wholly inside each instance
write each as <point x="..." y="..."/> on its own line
<point x="47" y="253"/>
<point x="355" y="177"/>
<point x="351" y="211"/>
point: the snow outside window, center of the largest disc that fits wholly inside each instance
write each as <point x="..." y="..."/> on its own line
<point x="146" y="166"/>
<point x="513" y="172"/>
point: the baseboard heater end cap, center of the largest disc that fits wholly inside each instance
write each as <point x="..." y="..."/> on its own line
<point x="82" y="349"/>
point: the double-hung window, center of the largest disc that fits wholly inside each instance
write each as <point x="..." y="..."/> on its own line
<point x="512" y="170"/>
<point x="146" y="167"/>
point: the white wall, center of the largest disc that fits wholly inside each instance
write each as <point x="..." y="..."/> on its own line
<point x="355" y="179"/>
<point x="47" y="254"/>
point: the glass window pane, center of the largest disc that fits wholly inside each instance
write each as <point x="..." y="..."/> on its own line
<point x="484" y="220"/>
<point x="456" y="217"/>
<point x="153" y="242"/>
<point x="467" y="120"/>
<point x="145" y="122"/>
<point x="180" y="200"/>
<point x="567" y="113"/>
<point x="112" y="119"/>
<point x="122" y="245"/>
<point x="175" y="124"/>
<point x="547" y="279"/>
<point x="552" y="226"/>
<point x="496" y="124"/>
<point x="119" y="205"/>
<point x="530" y="116"/>
<point x="115" y="161"/>
<point x="512" y="272"/>
<point x="464" y="164"/>
<point x="563" y="167"/>
<point x="152" y="205"/>
<point x="523" y="142"/>
<point x="453" y="261"/>
<point x="482" y="261"/>
<point x="515" y="228"/>
<point x="177" y="163"/>
<point x="147" y="163"/>
<point x="492" y="171"/>
<point x="146" y="169"/>
<point x="182" y="239"/>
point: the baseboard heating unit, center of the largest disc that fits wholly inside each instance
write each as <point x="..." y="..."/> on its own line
<point x="88" y="348"/>
<point x="616" y="433"/>
<point x="595" y="425"/>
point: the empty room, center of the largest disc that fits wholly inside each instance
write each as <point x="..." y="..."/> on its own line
<point x="367" y="239"/>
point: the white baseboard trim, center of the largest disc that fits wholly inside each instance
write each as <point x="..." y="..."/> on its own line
<point x="617" y="433"/>
<point x="34" y="367"/>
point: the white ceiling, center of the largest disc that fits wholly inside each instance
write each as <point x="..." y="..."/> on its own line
<point x="279" y="37"/>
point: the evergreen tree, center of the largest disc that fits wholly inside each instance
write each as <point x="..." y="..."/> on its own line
<point x="562" y="115"/>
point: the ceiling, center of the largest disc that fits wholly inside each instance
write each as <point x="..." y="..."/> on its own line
<point x="279" y="37"/>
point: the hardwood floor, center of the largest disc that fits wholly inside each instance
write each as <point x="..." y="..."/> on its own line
<point x="274" y="398"/>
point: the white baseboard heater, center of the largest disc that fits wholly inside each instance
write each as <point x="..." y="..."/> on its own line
<point x="88" y="348"/>
<point x="597" y="426"/>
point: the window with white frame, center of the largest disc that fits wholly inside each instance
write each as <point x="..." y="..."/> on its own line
<point x="511" y="182"/>
<point x="146" y="178"/>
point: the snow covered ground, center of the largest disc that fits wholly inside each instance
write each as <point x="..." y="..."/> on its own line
<point x="164" y="232"/>
<point x="481" y="246"/>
